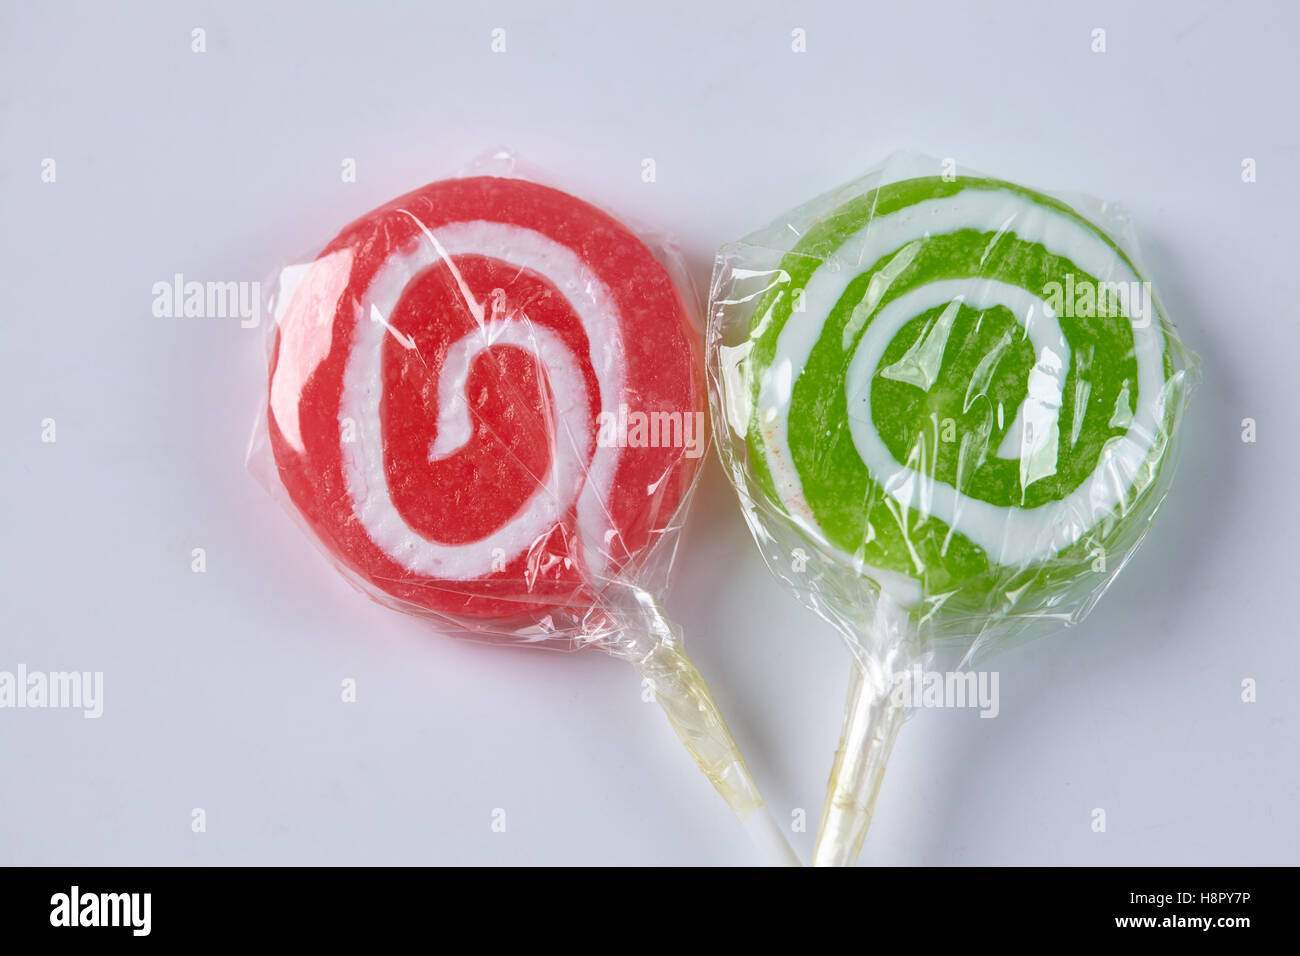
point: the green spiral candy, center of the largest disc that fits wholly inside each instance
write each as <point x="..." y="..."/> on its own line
<point x="965" y="387"/>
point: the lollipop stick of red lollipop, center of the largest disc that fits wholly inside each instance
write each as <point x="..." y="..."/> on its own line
<point x="653" y="645"/>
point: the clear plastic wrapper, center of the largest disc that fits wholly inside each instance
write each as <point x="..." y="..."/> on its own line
<point x="950" y="408"/>
<point x="486" y="404"/>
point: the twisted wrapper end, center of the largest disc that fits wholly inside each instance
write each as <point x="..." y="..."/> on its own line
<point x="873" y="715"/>
<point x="643" y="636"/>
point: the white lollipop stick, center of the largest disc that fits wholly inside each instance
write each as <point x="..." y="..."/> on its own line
<point x="872" y="718"/>
<point x="656" y="651"/>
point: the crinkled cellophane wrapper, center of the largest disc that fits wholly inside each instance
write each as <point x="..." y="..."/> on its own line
<point x="515" y="608"/>
<point x="486" y="407"/>
<point x="864" y="456"/>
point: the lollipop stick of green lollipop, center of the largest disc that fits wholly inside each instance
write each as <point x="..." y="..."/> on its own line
<point x="871" y="723"/>
<point x="873" y="715"/>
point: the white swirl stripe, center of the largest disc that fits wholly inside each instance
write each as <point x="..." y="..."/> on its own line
<point x="570" y="478"/>
<point x="1010" y="536"/>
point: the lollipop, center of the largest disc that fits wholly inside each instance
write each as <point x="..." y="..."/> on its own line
<point x="450" y="386"/>
<point x="962" y="395"/>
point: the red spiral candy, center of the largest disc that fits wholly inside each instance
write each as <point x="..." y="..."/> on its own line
<point x="443" y="384"/>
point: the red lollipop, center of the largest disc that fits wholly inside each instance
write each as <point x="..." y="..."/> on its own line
<point x="487" y="402"/>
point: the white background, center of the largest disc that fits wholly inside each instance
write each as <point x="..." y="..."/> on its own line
<point x="222" y="689"/>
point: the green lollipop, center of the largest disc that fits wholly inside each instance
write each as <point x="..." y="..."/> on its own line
<point x="961" y="393"/>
